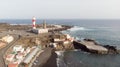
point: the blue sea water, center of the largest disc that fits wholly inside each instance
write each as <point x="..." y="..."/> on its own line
<point x="103" y="31"/>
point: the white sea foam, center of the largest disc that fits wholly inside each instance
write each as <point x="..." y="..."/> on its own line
<point x="76" y="28"/>
<point x="77" y="38"/>
<point x="77" y="50"/>
<point x="59" y="53"/>
<point x="60" y="60"/>
<point x="13" y="24"/>
<point x="20" y="24"/>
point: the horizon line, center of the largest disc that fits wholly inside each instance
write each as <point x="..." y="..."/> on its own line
<point x="55" y="19"/>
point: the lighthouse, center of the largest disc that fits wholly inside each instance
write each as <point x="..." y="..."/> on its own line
<point x="38" y="30"/>
<point x="33" y="23"/>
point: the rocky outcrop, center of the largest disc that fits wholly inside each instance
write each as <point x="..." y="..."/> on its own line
<point x="111" y="49"/>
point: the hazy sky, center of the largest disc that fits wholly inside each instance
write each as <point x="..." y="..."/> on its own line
<point x="60" y="9"/>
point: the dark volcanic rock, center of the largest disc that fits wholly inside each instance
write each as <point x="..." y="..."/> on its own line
<point x="111" y="49"/>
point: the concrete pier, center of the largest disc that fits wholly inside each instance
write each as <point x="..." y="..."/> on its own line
<point x="90" y="46"/>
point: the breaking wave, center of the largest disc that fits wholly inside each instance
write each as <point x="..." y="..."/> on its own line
<point x="60" y="59"/>
<point x="76" y="28"/>
<point x="19" y="24"/>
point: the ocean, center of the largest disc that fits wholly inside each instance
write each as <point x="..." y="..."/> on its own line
<point x="105" y="32"/>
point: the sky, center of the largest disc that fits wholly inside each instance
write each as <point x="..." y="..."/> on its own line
<point x="60" y="9"/>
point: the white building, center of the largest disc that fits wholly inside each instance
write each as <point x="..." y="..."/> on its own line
<point x="17" y="48"/>
<point x="20" y="56"/>
<point x="29" y="57"/>
<point x="7" y="39"/>
<point x="10" y="57"/>
<point x="58" y="40"/>
<point x="67" y="36"/>
<point x="28" y="50"/>
<point x="66" y="42"/>
<point x="38" y="31"/>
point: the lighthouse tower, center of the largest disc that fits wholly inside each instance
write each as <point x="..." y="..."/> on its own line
<point x="33" y="22"/>
<point x="44" y="24"/>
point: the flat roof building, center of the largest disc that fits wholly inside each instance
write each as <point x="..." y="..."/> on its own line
<point x="39" y="31"/>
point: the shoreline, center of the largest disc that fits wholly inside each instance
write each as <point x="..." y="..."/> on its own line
<point x="47" y="56"/>
<point x="46" y="59"/>
<point x="52" y="63"/>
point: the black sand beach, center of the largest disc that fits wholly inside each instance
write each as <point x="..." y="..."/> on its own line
<point x="46" y="59"/>
<point x="51" y="61"/>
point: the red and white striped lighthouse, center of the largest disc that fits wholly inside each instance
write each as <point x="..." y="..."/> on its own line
<point x="33" y="22"/>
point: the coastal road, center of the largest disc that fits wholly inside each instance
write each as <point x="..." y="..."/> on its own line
<point x="3" y="51"/>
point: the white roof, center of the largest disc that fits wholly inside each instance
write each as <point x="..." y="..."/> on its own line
<point x="30" y="56"/>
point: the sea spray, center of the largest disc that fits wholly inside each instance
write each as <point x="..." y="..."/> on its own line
<point x="19" y="24"/>
<point x="60" y="60"/>
<point x="76" y="28"/>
